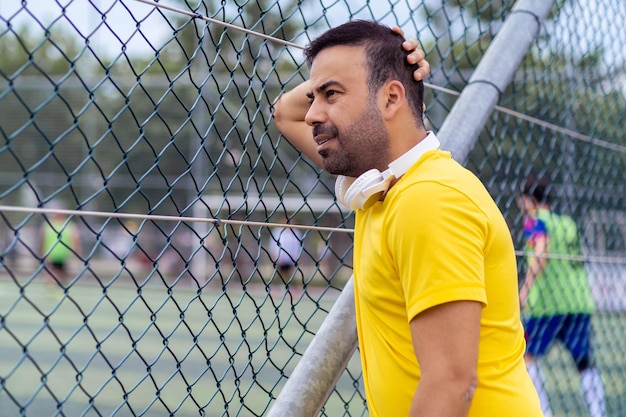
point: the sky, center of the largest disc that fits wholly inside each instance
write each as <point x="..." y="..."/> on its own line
<point x="122" y="17"/>
<point x="109" y="35"/>
<point x="598" y="23"/>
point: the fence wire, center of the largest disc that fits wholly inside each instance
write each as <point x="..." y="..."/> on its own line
<point x="157" y="118"/>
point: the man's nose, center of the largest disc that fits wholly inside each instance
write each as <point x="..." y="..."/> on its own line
<point x="314" y="115"/>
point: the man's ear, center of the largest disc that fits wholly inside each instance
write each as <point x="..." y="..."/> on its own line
<point x="393" y="98"/>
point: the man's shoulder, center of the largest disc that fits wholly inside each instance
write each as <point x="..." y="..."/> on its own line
<point x="438" y="175"/>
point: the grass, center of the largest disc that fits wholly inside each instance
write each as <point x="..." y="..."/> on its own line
<point x="563" y="381"/>
<point x="154" y="351"/>
<point x="151" y="351"/>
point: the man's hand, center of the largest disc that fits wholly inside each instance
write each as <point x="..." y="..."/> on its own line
<point x="416" y="56"/>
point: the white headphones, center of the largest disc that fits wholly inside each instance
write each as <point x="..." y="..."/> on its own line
<point x="362" y="192"/>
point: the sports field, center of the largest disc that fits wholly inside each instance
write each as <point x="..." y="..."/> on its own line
<point x="563" y="382"/>
<point x="126" y="351"/>
<point x="151" y="351"/>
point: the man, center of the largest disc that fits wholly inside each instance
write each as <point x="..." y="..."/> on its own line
<point x="556" y="294"/>
<point x="434" y="270"/>
<point x="285" y="247"/>
<point x="59" y="243"/>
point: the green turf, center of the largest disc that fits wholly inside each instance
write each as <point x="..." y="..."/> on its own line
<point x="152" y="351"/>
<point x="157" y="352"/>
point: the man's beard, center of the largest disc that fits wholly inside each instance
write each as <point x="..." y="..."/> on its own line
<point x="363" y="145"/>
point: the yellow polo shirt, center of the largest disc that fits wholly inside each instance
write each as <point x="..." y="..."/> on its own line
<point x="437" y="237"/>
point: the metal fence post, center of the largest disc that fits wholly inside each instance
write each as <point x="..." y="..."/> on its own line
<point x="460" y="131"/>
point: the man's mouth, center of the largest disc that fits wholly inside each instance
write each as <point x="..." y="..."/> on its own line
<point x="323" y="133"/>
<point x="322" y="139"/>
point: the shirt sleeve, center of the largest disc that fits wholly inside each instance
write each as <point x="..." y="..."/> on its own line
<point x="437" y="238"/>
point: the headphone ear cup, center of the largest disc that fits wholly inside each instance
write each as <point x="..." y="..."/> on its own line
<point x="354" y="196"/>
<point x="342" y="184"/>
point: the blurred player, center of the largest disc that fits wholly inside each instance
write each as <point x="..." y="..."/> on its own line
<point x="556" y="295"/>
<point x="285" y="248"/>
<point x="59" y="243"/>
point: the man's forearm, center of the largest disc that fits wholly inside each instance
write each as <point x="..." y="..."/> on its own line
<point x="450" y="400"/>
<point x="289" y="112"/>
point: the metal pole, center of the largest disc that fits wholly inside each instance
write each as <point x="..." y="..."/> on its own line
<point x="496" y="69"/>
<point x="313" y="379"/>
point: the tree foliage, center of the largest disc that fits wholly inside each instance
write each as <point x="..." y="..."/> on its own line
<point x="200" y="99"/>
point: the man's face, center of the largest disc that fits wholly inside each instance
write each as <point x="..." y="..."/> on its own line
<point x="347" y="124"/>
<point x="524" y="203"/>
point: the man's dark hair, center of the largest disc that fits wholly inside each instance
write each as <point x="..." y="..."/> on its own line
<point x="537" y="188"/>
<point x="386" y="59"/>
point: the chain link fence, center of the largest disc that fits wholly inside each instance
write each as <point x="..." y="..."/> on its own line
<point x="148" y="125"/>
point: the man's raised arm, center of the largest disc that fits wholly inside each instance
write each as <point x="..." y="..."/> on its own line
<point x="289" y="112"/>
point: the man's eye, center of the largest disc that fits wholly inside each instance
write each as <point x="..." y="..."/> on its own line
<point x="330" y="93"/>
